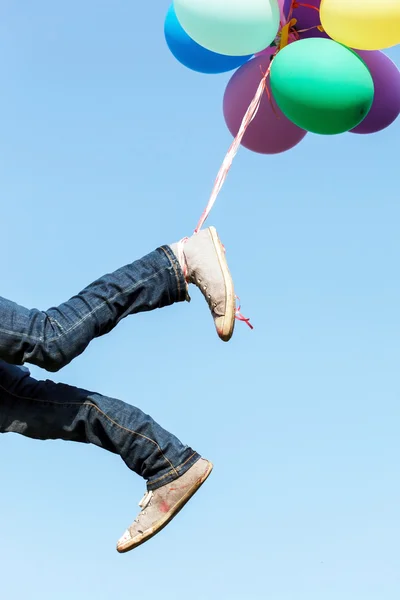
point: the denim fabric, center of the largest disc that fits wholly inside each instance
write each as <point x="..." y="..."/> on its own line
<point x="51" y="339"/>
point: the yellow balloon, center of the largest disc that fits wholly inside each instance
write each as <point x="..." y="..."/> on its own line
<point x="362" y="24"/>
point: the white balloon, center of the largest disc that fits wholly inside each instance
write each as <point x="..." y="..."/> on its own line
<point x="231" y="27"/>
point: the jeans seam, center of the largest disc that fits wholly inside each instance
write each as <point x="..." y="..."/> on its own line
<point x="152" y="481"/>
<point x="92" y="405"/>
<point x="175" y="268"/>
<point x="57" y="324"/>
<point x="78" y="323"/>
<point x="108" y="301"/>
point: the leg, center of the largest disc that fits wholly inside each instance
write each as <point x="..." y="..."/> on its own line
<point x="52" y="338"/>
<point x="45" y="410"/>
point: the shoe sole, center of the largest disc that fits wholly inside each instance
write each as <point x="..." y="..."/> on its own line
<point x="164" y="522"/>
<point x="230" y="309"/>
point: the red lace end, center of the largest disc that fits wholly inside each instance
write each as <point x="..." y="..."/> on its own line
<point x="240" y="317"/>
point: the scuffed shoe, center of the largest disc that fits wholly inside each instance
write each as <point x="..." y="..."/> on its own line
<point x="204" y="265"/>
<point x="160" y="506"/>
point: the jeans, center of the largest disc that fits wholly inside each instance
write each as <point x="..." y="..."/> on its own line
<point x="51" y="339"/>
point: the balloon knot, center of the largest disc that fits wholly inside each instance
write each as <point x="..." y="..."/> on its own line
<point x="284" y="34"/>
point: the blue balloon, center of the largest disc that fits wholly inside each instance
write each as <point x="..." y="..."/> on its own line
<point x="192" y="55"/>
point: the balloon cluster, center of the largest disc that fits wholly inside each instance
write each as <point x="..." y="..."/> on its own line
<point x="326" y="71"/>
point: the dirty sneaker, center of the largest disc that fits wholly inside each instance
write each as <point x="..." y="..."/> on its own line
<point x="203" y="261"/>
<point x="160" y="506"/>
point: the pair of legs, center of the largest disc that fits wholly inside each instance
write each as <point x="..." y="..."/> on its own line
<point x="51" y="339"/>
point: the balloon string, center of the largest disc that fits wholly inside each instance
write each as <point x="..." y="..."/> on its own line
<point x="234" y="148"/>
<point x="269" y="95"/>
<point x="240" y="317"/>
<point x="319" y="27"/>
<point x="228" y="160"/>
<point x="287" y="34"/>
<point x="303" y="5"/>
<point x="295" y="32"/>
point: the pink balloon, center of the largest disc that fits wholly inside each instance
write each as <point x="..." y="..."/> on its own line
<point x="386" y="105"/>
<point x="270" y="132"/>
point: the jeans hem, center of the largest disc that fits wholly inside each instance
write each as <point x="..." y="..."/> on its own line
<point x="173" y="475"/>
<point x="182" y="286"/>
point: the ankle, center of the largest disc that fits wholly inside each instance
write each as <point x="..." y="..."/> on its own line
<point x="178" y="251"/>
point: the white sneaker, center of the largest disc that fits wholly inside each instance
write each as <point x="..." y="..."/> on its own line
<point x="204" y="264"/>
<point x="160" y="506"/>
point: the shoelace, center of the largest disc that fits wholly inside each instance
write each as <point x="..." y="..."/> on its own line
<point x="144" y="503"/>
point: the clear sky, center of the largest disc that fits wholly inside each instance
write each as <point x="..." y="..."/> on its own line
<point x="108" y="148"/>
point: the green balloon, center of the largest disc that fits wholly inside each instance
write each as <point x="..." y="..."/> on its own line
<point x="230" y="27"/>
<point x="322" y="86"/>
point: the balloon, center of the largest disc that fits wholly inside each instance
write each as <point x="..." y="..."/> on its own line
<point x="270" y="132"/>
<point x="235" y="28"/>
<point x="191" y="54"/>
<point x="386" y="105"/>
<point x="308" y="18"/>
<point x="283" y="21"/>
<point x="362" y="24"/>
<point x="322" y="86"/>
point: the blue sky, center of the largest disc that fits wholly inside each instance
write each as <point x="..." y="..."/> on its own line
<point x="108" y="148"/>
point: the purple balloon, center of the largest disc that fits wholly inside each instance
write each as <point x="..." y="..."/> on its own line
<point x="386" y="105"/>
<point x="270" y="132"/>
<point x="307" y="17"/>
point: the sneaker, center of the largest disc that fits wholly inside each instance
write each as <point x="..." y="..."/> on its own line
<point x="160" y="506"/>
<point x="204" y="265"/>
